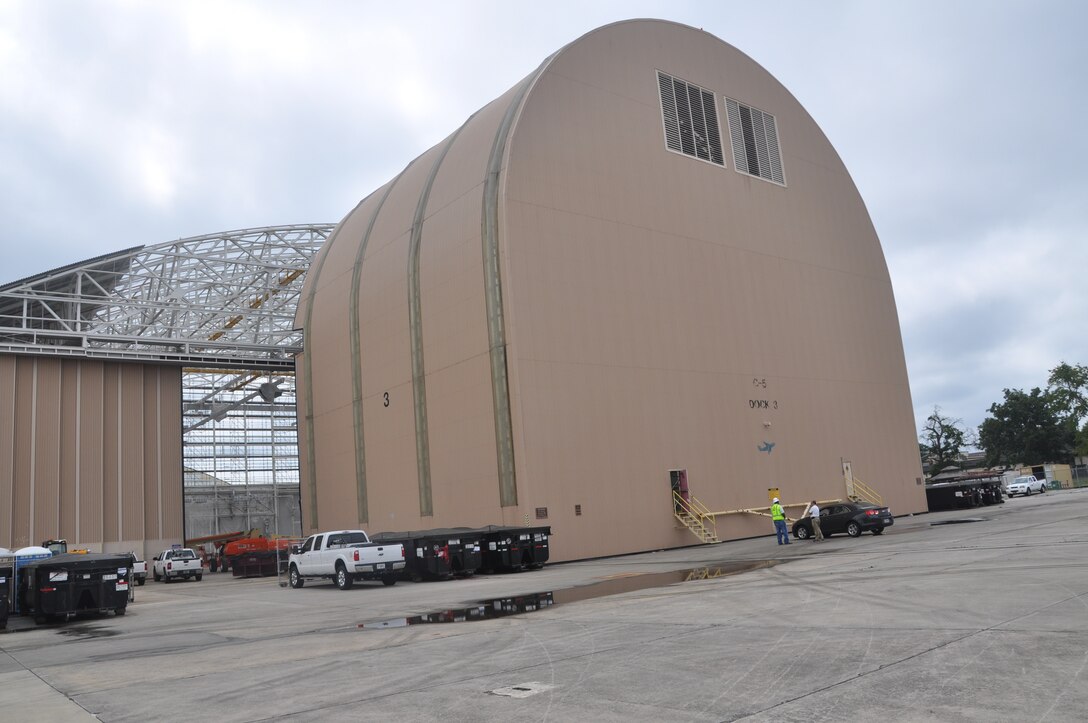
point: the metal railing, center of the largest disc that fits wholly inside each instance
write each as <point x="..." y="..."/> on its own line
<point x="864" y="492"/>
<point x="696" y="516"/>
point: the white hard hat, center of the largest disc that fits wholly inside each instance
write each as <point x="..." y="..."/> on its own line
<point x="775" y="500"/>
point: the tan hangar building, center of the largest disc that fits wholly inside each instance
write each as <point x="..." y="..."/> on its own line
<point x="644" y="257"/>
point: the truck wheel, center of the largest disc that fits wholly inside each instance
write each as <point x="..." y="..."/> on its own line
<point x="141" y="580"/>
<point x="199" y="577"/>
<point x="120" y="611"/>
<point x="344" y="581"/>
<point x="297" y="580"/>
<point x="167" y="579"/>
<point x="389" y="580"/>
<point x="157" y="576"/>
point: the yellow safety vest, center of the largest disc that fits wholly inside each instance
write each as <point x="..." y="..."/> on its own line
<point x="776" y="512"/>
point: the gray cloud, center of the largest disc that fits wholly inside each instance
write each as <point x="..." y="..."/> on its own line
<point x="127" y="122"/>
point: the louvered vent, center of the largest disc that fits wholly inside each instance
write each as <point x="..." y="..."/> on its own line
<point x="755" y="142"/>
<point x="691" y="119"/>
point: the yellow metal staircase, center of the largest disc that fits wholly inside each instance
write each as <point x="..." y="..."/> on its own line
<point x="858" y="491"/>
<point x="698" y="518"/>
<point x="695" y="516"/>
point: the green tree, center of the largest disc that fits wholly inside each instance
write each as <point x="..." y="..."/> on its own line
<point x="1026" y="428"/>
<point x="1068" y="385"/>
<point x="942" y="441"/>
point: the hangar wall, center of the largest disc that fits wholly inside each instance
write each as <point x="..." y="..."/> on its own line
<point x="549" y="310"/>
<point x="90" y="452"/>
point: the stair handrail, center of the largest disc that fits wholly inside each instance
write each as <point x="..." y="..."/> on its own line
<point x="697" y="513"/>
<point x="699" y="507"/>
<point x="867" y="493"/>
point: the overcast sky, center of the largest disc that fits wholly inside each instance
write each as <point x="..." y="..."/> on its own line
<point x="962" y="123"/>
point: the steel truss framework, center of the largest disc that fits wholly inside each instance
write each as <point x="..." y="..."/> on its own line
<point x="240" y="435"/>
<point x="222" y="306"/>
<point x="223" y="300"/>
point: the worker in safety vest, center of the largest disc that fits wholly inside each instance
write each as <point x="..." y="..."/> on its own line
<point x="779" y="517"/>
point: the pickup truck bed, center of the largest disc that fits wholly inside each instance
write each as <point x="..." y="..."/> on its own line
<point x="139" y="570"/>
<point x="345" y="556"/>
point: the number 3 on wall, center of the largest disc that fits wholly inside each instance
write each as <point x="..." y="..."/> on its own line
<point x="385" y="399"/>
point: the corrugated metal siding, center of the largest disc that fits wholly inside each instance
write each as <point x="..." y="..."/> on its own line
<point x="24" y="413"/>
<point x="111" y="458"/>
<point x="149" y="517"/>
<point x="46" y="521"/>
<point x="172" y="505"/>
<point x="133" y="444"/>
<point x="92" y="387"/>
<point x="69" y="436"/>
<point x="86" y="455"/>
<point x="7" y="446"/>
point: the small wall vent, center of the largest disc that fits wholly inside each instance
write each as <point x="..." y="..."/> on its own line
<point x="690" y="116"/>
<point x="755" y="142"/>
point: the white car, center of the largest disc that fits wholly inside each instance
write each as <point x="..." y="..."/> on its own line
<point x="1025" y="486"/>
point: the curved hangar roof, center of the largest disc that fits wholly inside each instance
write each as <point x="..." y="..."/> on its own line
<point x="645" y="256"/>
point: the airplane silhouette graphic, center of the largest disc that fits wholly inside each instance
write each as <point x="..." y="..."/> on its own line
<point x="766" y="447"/>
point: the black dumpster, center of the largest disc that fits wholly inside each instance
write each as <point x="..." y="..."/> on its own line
<point x="7" y="587"/>
<point x="514" y="548"/>
<point x="70" y="584"/>
<point x="425" y="554"/>
<point x="435" y="554"/>
<point x="466" y="556"/>
<point x="534" y="548"/>
<point x="499" y="548"/>
<point x="963" y="494"/>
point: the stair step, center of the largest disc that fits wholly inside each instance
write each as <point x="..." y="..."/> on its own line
<point x="694" y="523"/>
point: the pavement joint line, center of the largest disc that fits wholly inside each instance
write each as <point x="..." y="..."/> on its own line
<point x="49" y="685"/>
<point x="996" y="627"/>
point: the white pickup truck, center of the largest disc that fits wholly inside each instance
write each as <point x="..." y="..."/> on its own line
<point x="170" y="565"/>
<point x="345" y="556"/>
<point x="1025" y="485"/>
<point x="139" y="569"/>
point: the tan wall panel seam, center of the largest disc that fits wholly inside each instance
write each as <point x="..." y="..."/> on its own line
<point x="158" y="458"/>
<point x="120" y="453"/>
<point x="415" y="323"/>
<point x="11" y="491"/>
<point x="496" y="334"/>
<point x="79" y="447"/>
<point x="308" y="379"/>
<point x="33" y="446"/>
<point x="361" y="499"/>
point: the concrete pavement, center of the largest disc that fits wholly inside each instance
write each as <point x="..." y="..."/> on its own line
<point x="983" y="620"/>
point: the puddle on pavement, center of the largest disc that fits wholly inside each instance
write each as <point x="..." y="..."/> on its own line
<point x="614" y="585"/>
<point x="960" y="521"/>
<point x="87" y="631"/>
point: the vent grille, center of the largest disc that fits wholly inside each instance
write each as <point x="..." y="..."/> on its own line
<point x="690" y="116"/>
<point x="755" y="142"/>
